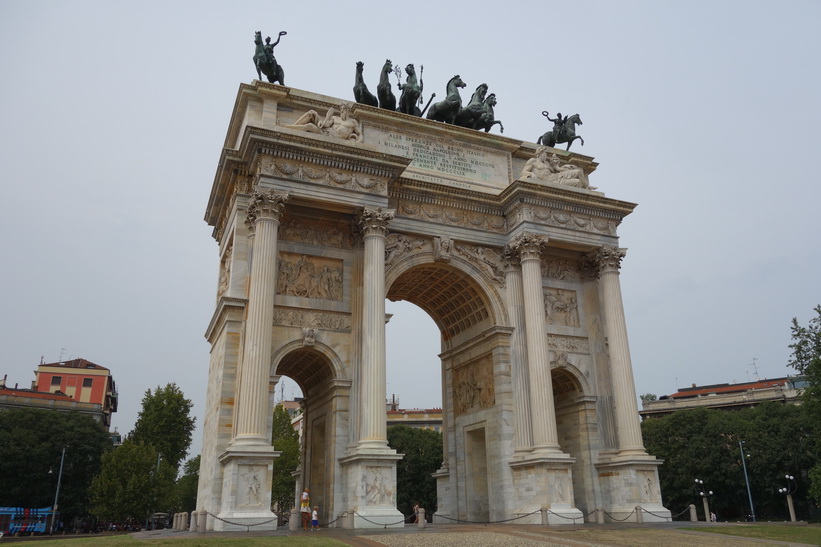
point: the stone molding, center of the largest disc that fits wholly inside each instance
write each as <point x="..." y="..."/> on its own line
<point x="303" y="171"/>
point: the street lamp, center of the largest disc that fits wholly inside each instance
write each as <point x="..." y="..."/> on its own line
<point x="57" y="493"/>
<point x="704" y="495"/>
<point x="746" y="478"/>
<point x="789" y="491"/>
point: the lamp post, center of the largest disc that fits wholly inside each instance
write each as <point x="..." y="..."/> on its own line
<point x="57" y="493"/>
<point x="789" y="491"/>
<point x="746" y="478"/>
<point x="704" y="493"/>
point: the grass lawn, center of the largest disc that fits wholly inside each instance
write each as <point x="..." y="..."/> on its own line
<point x="810" y="534"/>
<point x="127" y="541"/>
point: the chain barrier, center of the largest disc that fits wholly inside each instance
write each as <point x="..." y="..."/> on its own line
<point x="620" y="520"/>
<point x="679" y="514"/>
<point x="669" y="519"/>
<point x="567" y="518"/>
<point x="247" y="526"/>
<point x="380" y="523"/>
<point x="486" y="522"/>
<point x="326" y="524"/>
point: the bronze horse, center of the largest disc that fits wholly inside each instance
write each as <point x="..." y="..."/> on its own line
<point x="486" y="121"/>
<point x="446" y="111"/>
<point x="360" y="90"/>
<point x="387" y="99"/>
<point x="264" y="59"/>
<point x="470" y="114"/>
<point x="567" y="133"/>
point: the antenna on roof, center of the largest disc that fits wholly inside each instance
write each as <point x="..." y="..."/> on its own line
<point x="755" y="369"/>
<point x="62" y="351"/>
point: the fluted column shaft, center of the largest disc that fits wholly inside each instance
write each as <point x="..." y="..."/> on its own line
<point x="522" y="437"/>
<point x="372" y="411"/>
<point x="621" y="368"/>
<point x="264" y="215"/>
<point x="543" y="412"/>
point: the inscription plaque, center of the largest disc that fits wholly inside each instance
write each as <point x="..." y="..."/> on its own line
<point x="445" y="161"/>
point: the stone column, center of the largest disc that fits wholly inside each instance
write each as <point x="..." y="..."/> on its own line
<point x="522" y="437"/>
<point x="264" y="215"/>
<point x="372" y="413"/>
<point x="543" y="412"/>
<point x="608" y="262"/>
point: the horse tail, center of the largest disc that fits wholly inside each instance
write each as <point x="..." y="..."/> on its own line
<point x="427" y="105"/>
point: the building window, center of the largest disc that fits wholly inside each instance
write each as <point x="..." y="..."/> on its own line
<point x="56" y="380"/>
<point x="87" y="382"/>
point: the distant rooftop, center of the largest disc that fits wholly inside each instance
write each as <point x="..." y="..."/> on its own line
<point x="74" y="363"/>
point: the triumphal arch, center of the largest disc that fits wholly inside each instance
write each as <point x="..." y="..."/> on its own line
<point x="322" y="210"/>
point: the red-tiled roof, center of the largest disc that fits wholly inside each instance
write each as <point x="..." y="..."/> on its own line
<point x="728" y="388"/>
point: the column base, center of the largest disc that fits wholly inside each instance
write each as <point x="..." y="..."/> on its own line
<point x="246" y="489"/>
<point x="371" y="483"/>
<point x="629" y="485"/>
<point x="544" y="486"/>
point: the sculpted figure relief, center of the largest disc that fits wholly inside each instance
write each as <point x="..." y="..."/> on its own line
<point x="399" y="244"/>
<point x="341" y="126"/>
<point x="306" y="279"/>
<point x="488" y="260"/>
<point x="561" y="307"/>
<point x="549" y="168"/>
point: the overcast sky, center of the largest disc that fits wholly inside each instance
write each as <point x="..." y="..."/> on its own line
<point x="113" y="115"/>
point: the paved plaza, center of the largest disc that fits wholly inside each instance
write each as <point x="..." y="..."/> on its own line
<point x="526" y="535"/>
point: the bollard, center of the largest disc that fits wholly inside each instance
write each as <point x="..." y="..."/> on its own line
<point x="599" y="515"/>
<point x="175" y="523"/>
<point x="184" y="522"/>
<point x="545" y="516"/>
<point x="421" y="520"/>
<point x="201" y="521"/>
<point x="693" y="515"/>
<point x="192" y="527"/>
<point x="293" y="520"/>
<point x="639" y="514"/>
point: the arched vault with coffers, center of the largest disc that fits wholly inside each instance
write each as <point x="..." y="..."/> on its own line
<point x="503" y="243"/>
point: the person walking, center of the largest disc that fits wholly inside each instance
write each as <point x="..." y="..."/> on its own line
<point x="305" y="508"/>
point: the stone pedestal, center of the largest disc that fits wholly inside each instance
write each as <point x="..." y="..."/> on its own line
<point x="545" y="483"/>
<point x="624" y="484"/>
<point x="247" y="477"/>
<point x="372" y="499"/>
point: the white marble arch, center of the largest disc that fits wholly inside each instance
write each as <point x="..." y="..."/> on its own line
<point x="439" y="217"/>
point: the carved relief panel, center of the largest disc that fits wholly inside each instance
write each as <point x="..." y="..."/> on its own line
<point x="310" y="276"/>
<point x="473" y="386"/>
<point x="561" y="307"/>
<point x="311" y="232"/>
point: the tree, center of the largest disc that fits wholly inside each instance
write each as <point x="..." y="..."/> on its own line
<point x="286" y="441"/>
<point x="133" y="483"/>
<point x="187" y="486"/>
<point x="423" y="457"/>
<point x="31" y="443"/>
<point x="806" y="359"/>
<point x="165" y="422"/>
<point x="703" y="444"/>
<point x="648" y="398"/>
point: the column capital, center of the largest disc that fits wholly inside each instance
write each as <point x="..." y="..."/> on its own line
<point x="374" y="221"/>
<point x="267" y="205"/>
<point x="526" y="246"/>
<point x="602" y="260"/>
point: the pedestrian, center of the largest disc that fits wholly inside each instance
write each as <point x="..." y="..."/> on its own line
<point x="305" y="508"/>
<point x="315" y="519"/>
<point x="416" y="513"/>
